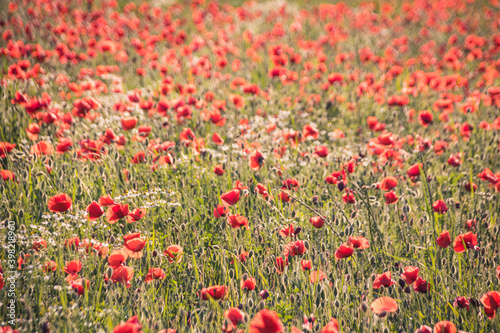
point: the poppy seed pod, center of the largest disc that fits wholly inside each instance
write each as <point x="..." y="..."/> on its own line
<point x="382" y="314"/>
<point x="250" y="303"/>
<point x="364" y="306"/>
<point x="341" y="185"/>
<point x="264" y="294"/>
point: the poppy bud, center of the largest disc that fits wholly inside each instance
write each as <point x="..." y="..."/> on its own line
<point x="364" y="307"/>
<point x="250" y="303"/>
<point x="474" y="301"/>
<point x="292" y="298"/>
<point x="231" y="273"/>
<point x="340" y="185"/>
<point x="315" y="200"/>
<point x="262" y="305"/>
<point x="264" y="294"/>
<point x="155" y="253"/>
<point x="244" y="277"/>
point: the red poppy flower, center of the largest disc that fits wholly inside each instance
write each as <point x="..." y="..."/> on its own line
<point x="5" y="148"/>
<point x="470" y="187"/>
<point x="359" y="242"/>
<point x="39" y="244"/>
<point x="388" y="183"/>
<point x="284" y="196"/>
<point x="123" y="274"/>
<point x="42" y="148"/>
<point x="414" y="170"/>
<point x="344" y="251"/>
<point x="230" y="198"/>
<point x="117" y="258"/>
<point x="287" y="231"/>
<point x="32" y="131"/>
<point x="256" y="160"/>
<point x="321" y="151"/>
<point x="266" y="321"/>
<point x="410" y="275"/>
<point x="296" y="248"/>
<point x="425" y="118"/>
<point x="445" y="327"/>
<point x="461" y="302"/>
<point x="421" y="286"/>
<point x="59" y="203"/>
<point x="383" y="279"/>
<point x="116" y="212"/>
<point x="384" y="304"/>
<point x="491" y="302"/>
<point x="220" y="211"/>
<point x="317" y="276"/>
<point x="217" y="139"/>
<point x="439" y="207"/>
<point x="174" y="253"/>
<point x="139" y="157"/>
<point x="455" y="160"/>
<point x="390" y="197"/>
<point x="136" y="215"/>
<point x="106" y="200"/>
<point x="310" y="131"/>
<point x="465" y="241"/>
<point x="290" y="184"/>
<point x="248" y="284"/>
<point x="78" y="286"/>
<point x="262" y="190"/>
<point x="331" y="327"/>
<point x="317" y="221"/>
<point x="133" y="246"/>
<point x="488" y="175"/>
<point x="213" y="292"/>
<point x="444" y="239"/>
<point x="155" y="274"/>
<point x="348" y="197"/>
<point x="94" y="211"/>
<point x="73" y="267"/>
<point x="234" y="315"/>
<point x="424" y="329"/>
<point x="306" y="265"/>
<point x="131" y="326"/>
<point x="237" y="221"/>
<point x="129" y="123"/>
<point x="281" y="264"/>
<point x="7" y="175"/>
<point x="49" y="266"/>
<point x="219" y="170"/>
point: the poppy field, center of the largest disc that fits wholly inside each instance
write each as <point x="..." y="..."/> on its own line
<point x="250" y="166"/>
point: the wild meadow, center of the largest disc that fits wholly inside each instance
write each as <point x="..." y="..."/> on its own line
<point x="249" y="166"/>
